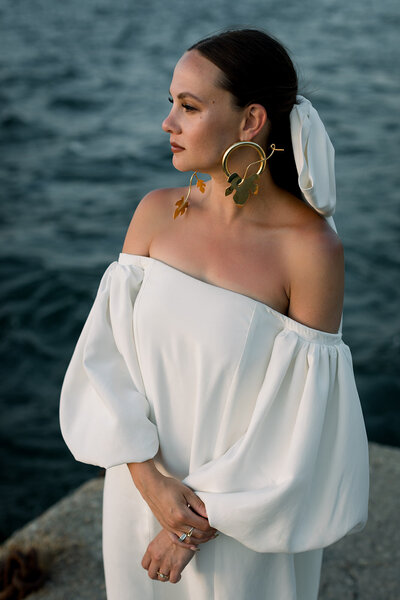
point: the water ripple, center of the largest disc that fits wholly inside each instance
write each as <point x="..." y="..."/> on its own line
<point x="83" y="91"/>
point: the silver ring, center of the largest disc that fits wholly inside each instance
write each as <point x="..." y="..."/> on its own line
<point x="162" y="575"/>
<point x="183" y="537"/>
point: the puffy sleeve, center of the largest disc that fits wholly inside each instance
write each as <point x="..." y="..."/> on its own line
<point x="298" y="478"/>
<point x="104" y="413"/>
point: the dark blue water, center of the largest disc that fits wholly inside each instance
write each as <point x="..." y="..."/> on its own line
<point x="83" y="91"/>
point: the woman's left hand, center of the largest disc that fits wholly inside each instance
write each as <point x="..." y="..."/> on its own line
<point x="164" y="556"/>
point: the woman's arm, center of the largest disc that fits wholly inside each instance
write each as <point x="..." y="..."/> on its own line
<point x="316" y="275"/>
<point x="176" y="507"/>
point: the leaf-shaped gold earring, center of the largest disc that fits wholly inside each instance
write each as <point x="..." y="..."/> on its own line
<point x="182" y="204"/>
<point x="243" y="186"/>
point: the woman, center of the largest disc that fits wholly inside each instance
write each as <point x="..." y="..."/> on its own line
<point x="211" y="379"/>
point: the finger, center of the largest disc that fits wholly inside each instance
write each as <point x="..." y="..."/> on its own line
<point x="164" y="569"/>
<point x="146" y="560"/>
<point x="203" y="540"/>
<point x="152" y="570"/>
<point x="177" y="541"/>
<point x="197" y="504"/>
<point x="196" y="541"/>
<point x="191" y="519"/>
<point x="174" y="576"/>
<point x="199" y="537"/>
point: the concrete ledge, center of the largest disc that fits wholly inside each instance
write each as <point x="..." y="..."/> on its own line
<point x="68" y="539"/>
<point x="362" y="566"/>
<point x="366" y="565"/>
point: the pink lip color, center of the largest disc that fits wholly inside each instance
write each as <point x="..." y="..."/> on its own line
<point x="176" y="148"/>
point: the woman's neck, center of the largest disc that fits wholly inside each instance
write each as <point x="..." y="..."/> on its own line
<point x="223" y="208"/>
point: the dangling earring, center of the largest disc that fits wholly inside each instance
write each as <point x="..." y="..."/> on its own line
<point x="182" y="204"/>
<point x="241" y="186"/>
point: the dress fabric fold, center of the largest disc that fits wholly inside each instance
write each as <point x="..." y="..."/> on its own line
<point x="257" y="413"/>
<point x="103" y="407"/>
<point x="301" y="466"/>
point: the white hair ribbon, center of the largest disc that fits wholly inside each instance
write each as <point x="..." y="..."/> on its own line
<point x="314" y="156"/>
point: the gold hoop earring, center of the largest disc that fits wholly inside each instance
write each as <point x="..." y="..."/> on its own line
<point x="182" y="204"/>
<point x="243" y="186"/>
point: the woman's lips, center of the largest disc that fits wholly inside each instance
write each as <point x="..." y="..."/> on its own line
<point x="176" y="148"/>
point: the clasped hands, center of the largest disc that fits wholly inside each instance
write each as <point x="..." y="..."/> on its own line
<point x="178" y="509"/>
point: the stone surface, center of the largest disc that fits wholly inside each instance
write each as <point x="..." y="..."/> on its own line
<point x="361" y="566"/>
<point x="68" y="539"/>
<point x="366" y="565"/>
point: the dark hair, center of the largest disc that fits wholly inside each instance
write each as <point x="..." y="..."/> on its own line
<point x="258" y="69"/>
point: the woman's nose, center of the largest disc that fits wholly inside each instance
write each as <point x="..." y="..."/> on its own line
<point x="169" y="125"/>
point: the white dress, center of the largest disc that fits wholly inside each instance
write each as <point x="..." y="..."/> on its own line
<point x="256" y="412"/>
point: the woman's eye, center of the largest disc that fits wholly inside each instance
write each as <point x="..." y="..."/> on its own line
<point x="187" y="107"/>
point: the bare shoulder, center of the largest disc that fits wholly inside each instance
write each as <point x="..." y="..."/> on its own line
<point x="153" y="213"/>
<point x="316" y="275"/>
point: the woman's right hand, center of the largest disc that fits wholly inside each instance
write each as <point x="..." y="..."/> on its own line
<point x="168" y="500"/>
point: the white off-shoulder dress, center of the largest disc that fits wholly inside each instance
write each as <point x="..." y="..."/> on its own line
<point x="256" y="412"/>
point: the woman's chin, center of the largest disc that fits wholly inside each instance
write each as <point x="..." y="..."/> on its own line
<point x="181" y="165"/>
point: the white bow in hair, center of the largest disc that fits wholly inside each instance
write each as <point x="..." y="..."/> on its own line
<point x="314" y="155"/>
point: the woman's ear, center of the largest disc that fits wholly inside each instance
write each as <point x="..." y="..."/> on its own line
<point x="255" y="118"/>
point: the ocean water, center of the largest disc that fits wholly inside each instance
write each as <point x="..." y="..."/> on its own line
<point x="83" y="92"/>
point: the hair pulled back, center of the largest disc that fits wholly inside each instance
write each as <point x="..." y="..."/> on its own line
<point x="257" y="69"/>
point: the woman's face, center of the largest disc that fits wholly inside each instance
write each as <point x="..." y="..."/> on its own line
<point x="203" y="121"/>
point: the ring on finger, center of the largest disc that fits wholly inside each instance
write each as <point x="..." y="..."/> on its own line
<point x="162" y="575"/>
<point x="183" y="537"/>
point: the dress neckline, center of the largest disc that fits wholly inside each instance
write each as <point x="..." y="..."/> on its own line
<point x="332" y="337"/>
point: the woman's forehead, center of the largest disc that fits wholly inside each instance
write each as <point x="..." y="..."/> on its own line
<point x="196" y="71"/>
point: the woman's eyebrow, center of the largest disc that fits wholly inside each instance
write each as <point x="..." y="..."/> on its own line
<point x="185" y="94"/>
